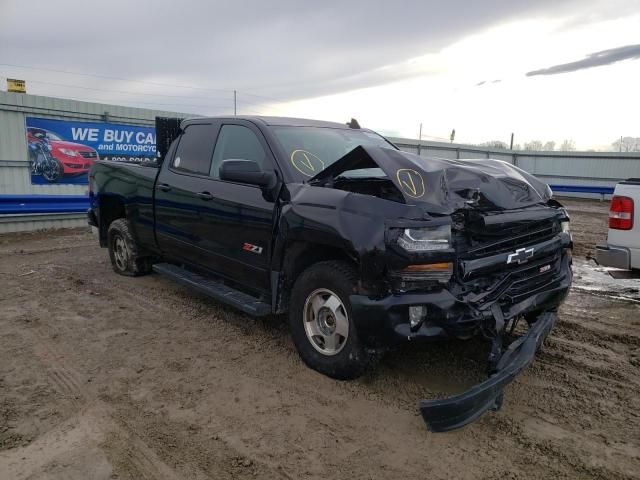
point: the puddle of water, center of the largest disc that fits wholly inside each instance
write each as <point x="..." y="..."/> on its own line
<point x="590" y="277"/>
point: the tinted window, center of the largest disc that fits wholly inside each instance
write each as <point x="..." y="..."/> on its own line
<point x="194" y="150"/>
<point x="239" y="143"/>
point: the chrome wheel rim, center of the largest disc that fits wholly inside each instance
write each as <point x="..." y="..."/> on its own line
<point x="326" y="322"/>
<point x="120" y="252"/>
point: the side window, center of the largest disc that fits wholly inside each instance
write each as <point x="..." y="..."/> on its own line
<point x="194" y="151"/>
<point x="236" y="142"/>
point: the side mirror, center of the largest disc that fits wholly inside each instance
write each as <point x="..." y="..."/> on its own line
<point x="247" y="171"/>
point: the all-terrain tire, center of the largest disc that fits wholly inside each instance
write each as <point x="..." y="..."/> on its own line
<point x="340" y="278"/>
<point x="124" y="251"/>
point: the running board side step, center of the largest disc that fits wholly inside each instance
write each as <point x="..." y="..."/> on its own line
<point x="215" y="290"/>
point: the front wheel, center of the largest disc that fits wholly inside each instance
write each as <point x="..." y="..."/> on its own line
<point x="124" y="252"/>
<point x="322" y="323"/>
<point x="53" y="171"/>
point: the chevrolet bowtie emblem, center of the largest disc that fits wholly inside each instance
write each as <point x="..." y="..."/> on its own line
<point x="521" y="255"/>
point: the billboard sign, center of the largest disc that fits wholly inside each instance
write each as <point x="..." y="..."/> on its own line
<point x="62" y="151"/>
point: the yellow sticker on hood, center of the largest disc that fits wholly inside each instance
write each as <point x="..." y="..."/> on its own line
<point x="410" y="182"/>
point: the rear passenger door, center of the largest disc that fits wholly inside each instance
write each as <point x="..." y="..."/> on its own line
<point x="183" y="191"/>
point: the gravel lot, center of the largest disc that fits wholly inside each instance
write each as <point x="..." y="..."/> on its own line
<point x="105" y="377"/>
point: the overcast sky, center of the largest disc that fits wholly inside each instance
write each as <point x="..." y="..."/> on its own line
<point x="547" y="70"/>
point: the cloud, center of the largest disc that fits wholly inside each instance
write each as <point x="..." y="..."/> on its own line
<point x="597" y="59"/>
<point x="485" y="82"/>
<point x="284" y="49"/>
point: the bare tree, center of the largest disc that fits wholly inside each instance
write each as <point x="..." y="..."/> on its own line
<point x="533" y="146"/>
<point x="567" y="146"/>
<point x="549" y="146"/>
<point x="627" y="144"/>
<point x="495" y="144"/>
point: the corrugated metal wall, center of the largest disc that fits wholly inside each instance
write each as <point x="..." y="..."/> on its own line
<point x="15" y="177"/>
<point x="560" y="168"/>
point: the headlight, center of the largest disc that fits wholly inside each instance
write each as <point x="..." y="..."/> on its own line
<point x="426" y="239"/>
<point x="564" y="226"/>
<point x="71" y="153"/>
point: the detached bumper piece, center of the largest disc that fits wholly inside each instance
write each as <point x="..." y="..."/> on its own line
<point x="457" y="411"/>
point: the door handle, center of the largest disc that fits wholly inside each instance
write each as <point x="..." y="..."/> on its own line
<point x="204" y="196"/>
<point x="165" y="187"/>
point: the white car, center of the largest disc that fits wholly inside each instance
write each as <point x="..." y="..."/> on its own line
<point x="623" y="241"/>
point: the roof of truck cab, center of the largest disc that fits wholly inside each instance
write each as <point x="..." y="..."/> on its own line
<point x="278" y="121"/>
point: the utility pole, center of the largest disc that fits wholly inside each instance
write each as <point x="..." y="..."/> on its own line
<point x="235" y="103"/>
<point x="419" y="139"/>
<point x="511" y="144"/>
<point x="620" y="143"/>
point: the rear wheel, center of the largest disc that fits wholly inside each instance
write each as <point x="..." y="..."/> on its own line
<point x="124" y="251"/>
<point x="322" y="324"/>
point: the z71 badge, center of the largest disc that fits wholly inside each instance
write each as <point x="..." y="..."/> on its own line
<point x="249" y="247"/>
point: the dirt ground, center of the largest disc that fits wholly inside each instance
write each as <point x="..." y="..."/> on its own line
<point x="106" y="377"/>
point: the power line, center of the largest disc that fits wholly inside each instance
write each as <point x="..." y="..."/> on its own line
<point x="110" y="77"/>
<point x="266" y="97"/>
<point x="133" y="103"/>
<point x="261" y="105"/>
<point x="237" y="100"/>
<point x="65" y="85"/>
<point x="124" y="92"/>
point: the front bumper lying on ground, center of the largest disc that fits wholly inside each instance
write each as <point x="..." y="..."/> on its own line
<point x="457" y="411"/>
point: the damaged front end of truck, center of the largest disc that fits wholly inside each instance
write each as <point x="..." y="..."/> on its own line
<point x="445" y="248"/>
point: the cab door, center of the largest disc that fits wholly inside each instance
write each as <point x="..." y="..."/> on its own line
<point x="238" y="221"/>
<point x="182" y="192"/>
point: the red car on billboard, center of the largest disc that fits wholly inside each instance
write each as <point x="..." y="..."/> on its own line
<point x="74" y="158"/>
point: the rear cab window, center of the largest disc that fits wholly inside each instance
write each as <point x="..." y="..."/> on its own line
<point x="195" y="149"/>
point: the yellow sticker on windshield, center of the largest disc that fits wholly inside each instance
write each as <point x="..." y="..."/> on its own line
<point x="306" y="163"/>
<point x="410" y="182"/>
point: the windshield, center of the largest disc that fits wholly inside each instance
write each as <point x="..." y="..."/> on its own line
<point x="312" y="149"/>
<point x="54" y="137"/>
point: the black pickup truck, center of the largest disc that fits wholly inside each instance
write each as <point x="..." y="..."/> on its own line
<point x="363" y="245"/>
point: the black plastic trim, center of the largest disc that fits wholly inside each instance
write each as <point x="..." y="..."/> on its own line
<point x="455" y="412"/>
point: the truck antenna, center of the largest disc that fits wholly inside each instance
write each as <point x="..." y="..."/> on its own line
<point x="353" y="123"/>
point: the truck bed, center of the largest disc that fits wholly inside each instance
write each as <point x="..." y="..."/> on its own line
<point x="134" y="184"/>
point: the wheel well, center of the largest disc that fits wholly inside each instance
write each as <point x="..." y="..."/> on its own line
<point x="111" y="208"/>
<point x="300" y="256"/>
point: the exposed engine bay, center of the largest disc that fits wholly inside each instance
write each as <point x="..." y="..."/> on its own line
<point x="376" y="187"/>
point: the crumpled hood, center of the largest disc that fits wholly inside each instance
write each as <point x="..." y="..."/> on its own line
<point x="441" y="185"/>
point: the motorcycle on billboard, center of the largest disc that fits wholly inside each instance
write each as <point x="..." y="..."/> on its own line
<point x="40" y="159"/>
